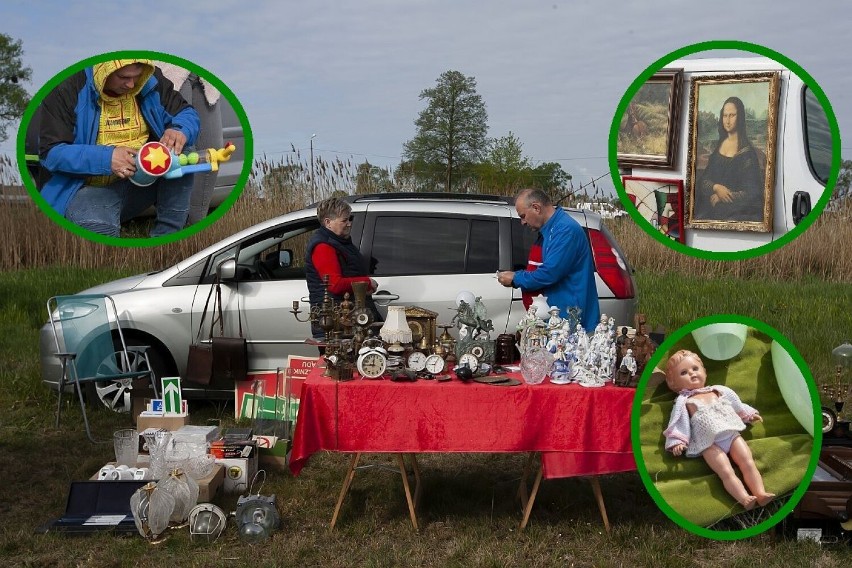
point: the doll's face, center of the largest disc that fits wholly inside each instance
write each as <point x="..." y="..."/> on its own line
<point x="688" y="374"/>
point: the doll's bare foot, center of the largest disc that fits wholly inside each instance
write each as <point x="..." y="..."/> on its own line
<point x="765" y="498"/>
<point x="749" y="502"/>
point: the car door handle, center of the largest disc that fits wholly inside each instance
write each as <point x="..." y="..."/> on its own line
<point x="384" y="297"/>
<point x="801" y="206"/>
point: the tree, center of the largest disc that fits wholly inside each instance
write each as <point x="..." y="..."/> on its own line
<point x="372" y="179"/>
<point x="844" y="182"/>
<point x="506" y="154"/>
<point x="13" y="98"/>
<point x="450" y="130"/>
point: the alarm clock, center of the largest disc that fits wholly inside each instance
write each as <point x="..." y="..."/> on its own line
<point x="372" y="361"/>
<point x="469" y="359"/>
<point x="416" y="361"/>
<point x="434" y="364"/>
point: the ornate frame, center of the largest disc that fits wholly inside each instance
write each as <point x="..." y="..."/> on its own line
<point x="759" y="92"/>
<point x="633" y="129"/>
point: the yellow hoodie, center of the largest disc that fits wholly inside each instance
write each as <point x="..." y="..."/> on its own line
<point x="121" y="122"/>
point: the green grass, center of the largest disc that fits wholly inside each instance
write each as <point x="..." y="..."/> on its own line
<point x="469" y="514"/>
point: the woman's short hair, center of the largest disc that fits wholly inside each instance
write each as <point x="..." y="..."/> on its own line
<point x="333" y="208"/>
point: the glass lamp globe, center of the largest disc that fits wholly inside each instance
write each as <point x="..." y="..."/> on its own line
<point x="256" y="516"/>
<point x="185" y="491"/>
<point x="206" y="522"/>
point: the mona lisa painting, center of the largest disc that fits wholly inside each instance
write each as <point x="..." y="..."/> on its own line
<point x="731" y="161"/>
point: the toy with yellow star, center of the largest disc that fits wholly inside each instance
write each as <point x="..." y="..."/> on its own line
<point x="154" y="160"/>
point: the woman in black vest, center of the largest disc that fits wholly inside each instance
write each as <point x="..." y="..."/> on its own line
<point x="332" y="253"/>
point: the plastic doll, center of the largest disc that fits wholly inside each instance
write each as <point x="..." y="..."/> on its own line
<point x="707" y="421"/>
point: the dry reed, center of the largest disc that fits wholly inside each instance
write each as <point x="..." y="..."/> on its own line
<point x="30" y="239"/>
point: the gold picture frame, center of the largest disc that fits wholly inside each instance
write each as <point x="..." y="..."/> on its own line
<point x="733" y="126"/>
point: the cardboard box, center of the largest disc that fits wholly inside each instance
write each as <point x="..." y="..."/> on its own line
<point x="208" y="486"/>
<point x="239" y="473"/>
<point x="272" y="452"/>
<point x="225" y="449"/>
<point x="173" y="422"/>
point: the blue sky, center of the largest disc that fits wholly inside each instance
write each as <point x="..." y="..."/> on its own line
<point x="551" y="72"/>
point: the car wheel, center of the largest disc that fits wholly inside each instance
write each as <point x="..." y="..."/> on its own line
<point x="115" y="394"/>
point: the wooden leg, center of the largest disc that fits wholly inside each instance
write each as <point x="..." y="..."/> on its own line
<point x="522" y="488"/>
<point x="347" y="482"/>
<point x="416" y="468"/>
<point x="408" y="497"/>
<point x="528" y="504"/>
<point x="596" y="489"/>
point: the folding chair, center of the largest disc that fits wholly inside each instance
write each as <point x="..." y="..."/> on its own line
<point x="91" y="346"/>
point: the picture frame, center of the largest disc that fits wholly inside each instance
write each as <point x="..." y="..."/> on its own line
<point x="660" y="202"/>
<point x="648" y="131"/>
<point x="731" y="166"/>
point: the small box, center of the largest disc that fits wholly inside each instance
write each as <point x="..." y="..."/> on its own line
<point x="209" y="486"/>
<point x="234" y="449"/>
<point x="196" y="434"/>
<point x="272" y="451"/>
<point x="172" y="423"/>
<point x="238" y="473"/>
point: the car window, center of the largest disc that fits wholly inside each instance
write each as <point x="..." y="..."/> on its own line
<point x="260" y="256"/>
<point x="434" y="245"/>
<point x="522" y="239"/>
<point x="817" y="137"/>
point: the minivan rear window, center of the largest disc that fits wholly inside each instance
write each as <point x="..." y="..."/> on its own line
<point x="817" y="137"/>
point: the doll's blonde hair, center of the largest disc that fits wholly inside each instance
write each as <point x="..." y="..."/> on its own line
<point x="675" y="360"/>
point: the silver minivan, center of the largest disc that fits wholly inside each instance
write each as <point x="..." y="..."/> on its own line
<point x="423" y="249"/>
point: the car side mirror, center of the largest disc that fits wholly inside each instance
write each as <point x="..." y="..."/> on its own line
<point x="227" y="270"/>
<point x="285" y="258"/>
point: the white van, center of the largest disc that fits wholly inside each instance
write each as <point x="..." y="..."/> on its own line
<point x="795" y="167"/>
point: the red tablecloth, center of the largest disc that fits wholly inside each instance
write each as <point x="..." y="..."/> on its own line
<point x="579" y="430"/>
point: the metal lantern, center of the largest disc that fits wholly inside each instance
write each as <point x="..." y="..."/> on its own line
<point x="184" y="489"/>
<point x="256" y="515"/>
<point x="151" y="507"/>
<point x="206" y="521"/>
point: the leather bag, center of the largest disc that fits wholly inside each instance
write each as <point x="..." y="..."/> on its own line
<point x="230" y="354"/>
<point x="199" y="361"/>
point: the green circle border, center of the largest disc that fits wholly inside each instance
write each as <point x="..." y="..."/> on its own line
<point x="217" y="213"/>
<point x="741" y="46"/>
<point x="635" y="426"/>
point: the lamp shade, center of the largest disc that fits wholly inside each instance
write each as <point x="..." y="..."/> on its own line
<point x="395" y="327"/>
<point x="151" y="507"/>
<point x="185" y="491"/>
<point x="793" y="387"/>
<point x="842" y="355"/>
<point x="721" y="341"/>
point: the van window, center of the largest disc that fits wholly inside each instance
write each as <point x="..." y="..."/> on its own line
<point x="522" y="239"/>
<point x="817" y="137"/>
<point x="433" y="245"/>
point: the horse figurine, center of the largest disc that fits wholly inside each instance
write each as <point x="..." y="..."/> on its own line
<point x="466" y="315"/>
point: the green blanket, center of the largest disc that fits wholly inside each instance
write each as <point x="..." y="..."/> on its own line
<point x="781" y="447"/>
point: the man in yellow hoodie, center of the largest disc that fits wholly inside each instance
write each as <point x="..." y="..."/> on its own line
<point x="92" y="126"/>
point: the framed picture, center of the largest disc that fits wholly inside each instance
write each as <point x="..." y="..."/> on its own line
<point x="648" y="132"/>
<point x="660" y="202"/>
<point x="733" y="123"/>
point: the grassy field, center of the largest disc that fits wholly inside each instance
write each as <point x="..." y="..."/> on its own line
<point x="469" y="511"/>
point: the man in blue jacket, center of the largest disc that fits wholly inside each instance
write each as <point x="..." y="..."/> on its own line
<point x="92" y="126"/>
<point x="566" y="275"/>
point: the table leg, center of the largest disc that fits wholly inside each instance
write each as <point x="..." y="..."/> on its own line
<point x="522" y="488"/>
<point x="347" y="482"/>
<point x="416" y="468"/>
<point x="596" y="489"/>
<point x="529" y="502"/>
<point x="408" y="497"/>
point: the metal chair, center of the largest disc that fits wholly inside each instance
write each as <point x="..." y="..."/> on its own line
<point x="91" y="348"/>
